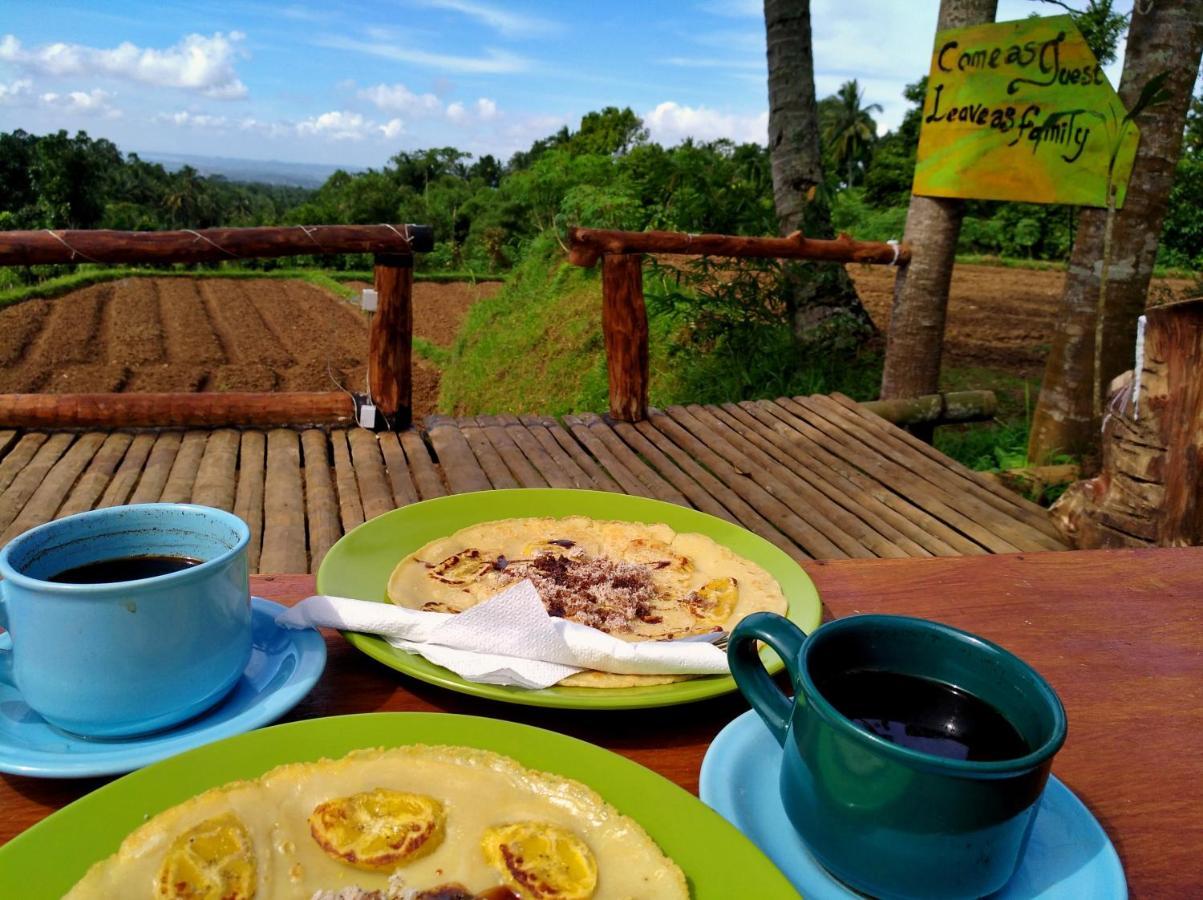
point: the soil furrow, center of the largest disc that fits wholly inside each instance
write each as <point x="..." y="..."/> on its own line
<point x="131" y="330"/>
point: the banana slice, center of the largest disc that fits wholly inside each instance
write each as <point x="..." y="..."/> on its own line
<point x="378" y="830"/>
<point x="541" y="861"/>
<point x="714" y="602"/>
<point x="554" y="546"/>
<point x="464" y="567"/>
<point x="210" y="861"/>
<point x="657" y="555"/>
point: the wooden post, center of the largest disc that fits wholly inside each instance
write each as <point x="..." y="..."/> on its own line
<point x="1150" y="489"/>
<point x="390" y="346"/>
<point x="624" y="325"/>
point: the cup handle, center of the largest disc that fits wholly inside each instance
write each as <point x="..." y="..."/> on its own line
<point x="786" y="638"/>
<point x="6" y="644"/>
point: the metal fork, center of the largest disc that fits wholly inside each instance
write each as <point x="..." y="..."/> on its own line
<point x="718" y="638"/>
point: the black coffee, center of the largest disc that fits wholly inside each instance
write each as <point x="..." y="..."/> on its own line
<point x="924" y="715"/>
<point x="124" y="568"/>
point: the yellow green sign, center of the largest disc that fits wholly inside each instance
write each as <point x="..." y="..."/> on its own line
<point x="1022" y="111"/>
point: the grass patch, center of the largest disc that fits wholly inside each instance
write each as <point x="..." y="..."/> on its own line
<point x="432" y="353"/>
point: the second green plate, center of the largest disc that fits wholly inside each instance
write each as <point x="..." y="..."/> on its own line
<point x="359" y="566"/>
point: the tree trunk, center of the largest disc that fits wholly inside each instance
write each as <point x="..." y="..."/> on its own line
<point x="822" y="301"/>
<point x="933" y="224"/>
<point x="1168" y="37"/>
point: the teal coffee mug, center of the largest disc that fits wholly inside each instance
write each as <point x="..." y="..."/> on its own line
<point x="915" y="754"/>
<point x="108" y="658"/>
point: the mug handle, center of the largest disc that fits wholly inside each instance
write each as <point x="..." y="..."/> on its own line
<point x="6" y="644"/>
<point x="786" y="638"/>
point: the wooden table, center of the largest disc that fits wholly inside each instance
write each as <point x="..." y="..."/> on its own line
<point x="1119" y="634"/>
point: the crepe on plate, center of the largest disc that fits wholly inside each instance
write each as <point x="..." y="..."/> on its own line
<point x="402" y="822"/>
<point x="633" y="580"/>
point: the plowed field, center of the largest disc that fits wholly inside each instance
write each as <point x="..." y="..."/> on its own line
<point x="998" y="318"/>
<point x="183" y="334"/>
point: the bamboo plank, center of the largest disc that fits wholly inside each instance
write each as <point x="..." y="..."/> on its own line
<point x="463" y="472"/>
<point x="19" y="457"/>
<point x="697" y="496"/>
<point x="426" y="476"/>
<point x="215" y="476"/>
<point x="402" y="482"/>
<point x="900" y="479"/>
<point x="745" y="514"/>
<point x="578" y="476"/>
<point x="580" y="456"/>
<point x="8" y="437"/>
<point x="855" y="513"/>
<point x="494" y="466"/>
<point x="989" y="490"/>
<point x="350" y="508"/>
<point x="654" y="485"/>
<point x="911" y="521"/>
<point x="527" y="475"/>
<point x="178" y="488"/>
<point x="128" y="472"/>
<point x="627" y="481"/>
<point x="806" y="536"/>
<point x="835" y="524"/>
<point x="321" y="501"/>
<point x="248" y="498"/>
<point x="158" y="467"/>
<point x="1001" y="520"/>
<point x="374" y="488"/>
<point x="53" y="489"/>
<point x="26" y="482"/>
<point x="533" y="451"/>
<point x="283" y="505"/>
<point x="96" y="477"/>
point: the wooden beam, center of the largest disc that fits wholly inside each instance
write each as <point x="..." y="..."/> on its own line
<point x="390" y="344"/>
<point x="135" y="410"/>
<point x="27" y="248"/>
<point x="587" y="245"/>
<point x="936" y="409"/>
<point x="624" y="327"/>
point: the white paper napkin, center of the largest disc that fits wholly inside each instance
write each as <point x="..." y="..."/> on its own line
<point x="508" y="639"/>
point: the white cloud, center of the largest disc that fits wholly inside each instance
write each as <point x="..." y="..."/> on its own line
<point x="14" y="90"/>
<point x="196" y="63"/>
<point x="494" y="62"/>
<point x="670" y="123"/>
<point x="486" y="109"/>
<point x="456" y="112"/>
<point x="508" y="23"/>
<point x="342" y="125"/>
<point x="93" y="102"/>
<point x="193" y="120"/>
<point x="399" y="98"/>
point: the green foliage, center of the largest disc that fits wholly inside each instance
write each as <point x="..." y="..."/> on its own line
<point x="849" y="132"/>
<point x="1100" y="24"/>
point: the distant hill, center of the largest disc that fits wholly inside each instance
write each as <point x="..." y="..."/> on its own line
<point x="265" y="171"/>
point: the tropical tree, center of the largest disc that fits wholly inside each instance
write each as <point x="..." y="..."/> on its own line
<point x="1165" y="42"/>
<point x="821" y="301"/>
<point x="933" y="224"/>
<point x="849" y="131"/>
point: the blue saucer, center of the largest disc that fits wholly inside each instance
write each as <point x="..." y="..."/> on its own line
<point x="1068" y="856"/>
<point x="285" y="663"/>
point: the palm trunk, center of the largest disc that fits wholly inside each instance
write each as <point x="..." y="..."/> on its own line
<point x="1166" y="37"/>
<point x="823" y="301"/>
<point x="916" y="336"/>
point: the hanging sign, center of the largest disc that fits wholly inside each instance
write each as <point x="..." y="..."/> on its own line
<point x="1022" y="111"/>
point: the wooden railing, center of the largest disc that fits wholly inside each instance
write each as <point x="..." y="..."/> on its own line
<point x="624" y="315"/>
<point x="390" y="334"/>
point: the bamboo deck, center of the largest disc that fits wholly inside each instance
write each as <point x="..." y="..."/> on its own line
<point x="817" y="476"/>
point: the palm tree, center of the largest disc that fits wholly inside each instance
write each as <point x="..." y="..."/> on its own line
<point x="848" y="128"/>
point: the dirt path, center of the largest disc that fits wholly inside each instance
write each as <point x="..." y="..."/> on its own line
<point x="998" y="318"/>
<point x="184" y="334"/>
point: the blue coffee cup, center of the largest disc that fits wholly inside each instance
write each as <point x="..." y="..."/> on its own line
<point x="128" y="657"/>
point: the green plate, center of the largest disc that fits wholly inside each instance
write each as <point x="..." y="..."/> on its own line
<point x="359" y="566"/>
<point x="720" y="862"/>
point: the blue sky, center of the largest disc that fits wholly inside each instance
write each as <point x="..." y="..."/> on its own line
<point x="352" y="83"/>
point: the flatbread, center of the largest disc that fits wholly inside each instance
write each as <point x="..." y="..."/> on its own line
<point x="635" y="581"/>
<point x="479" y="795"/>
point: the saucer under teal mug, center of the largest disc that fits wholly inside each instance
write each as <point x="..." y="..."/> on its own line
<point x="121" y="658"/>
<point x="889" y="820"/>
